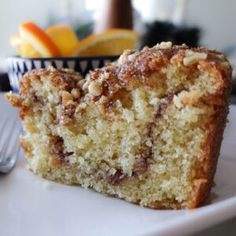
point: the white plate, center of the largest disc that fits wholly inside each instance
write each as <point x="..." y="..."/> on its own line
<point x="30" y="205"/>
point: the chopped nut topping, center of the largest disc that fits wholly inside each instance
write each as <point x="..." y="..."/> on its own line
<point x="75" y="93"/>
<point x="51" y="69"/>
<point x="191" y="57"/>
<point x="86" y="82"/>
<point x="95" y="89"/>
<point x="127" y="55"/>
<point x="164" y="45"/>
<point x="80" y="83"/>
<point x="14" y="99"/>
<point x="105" y="75"/>
<point x="66" y="96"/>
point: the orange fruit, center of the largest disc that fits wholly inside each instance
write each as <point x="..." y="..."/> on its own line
<point x="40" y="41"/>
<point x="111" y="42"/>
<point x="64" y="37"/>
<point x="24" y="48"/>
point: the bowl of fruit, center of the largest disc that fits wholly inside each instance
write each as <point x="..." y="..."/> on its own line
<point x="58" y="46"/>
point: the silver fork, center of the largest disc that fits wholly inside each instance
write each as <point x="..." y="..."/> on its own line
<point x="9" y="143"/>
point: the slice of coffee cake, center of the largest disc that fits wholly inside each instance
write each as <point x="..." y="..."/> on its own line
<point x="147" y="128"/>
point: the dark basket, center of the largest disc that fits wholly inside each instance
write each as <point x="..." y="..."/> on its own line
<point x="18" y="66"/>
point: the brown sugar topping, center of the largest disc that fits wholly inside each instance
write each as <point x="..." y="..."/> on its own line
<point x="136" y="69"/>
<point x="130" y="71"/>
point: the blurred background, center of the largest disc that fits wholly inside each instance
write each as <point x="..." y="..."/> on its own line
<point x="198" y="22"/>
<point x="215" y="18"/>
